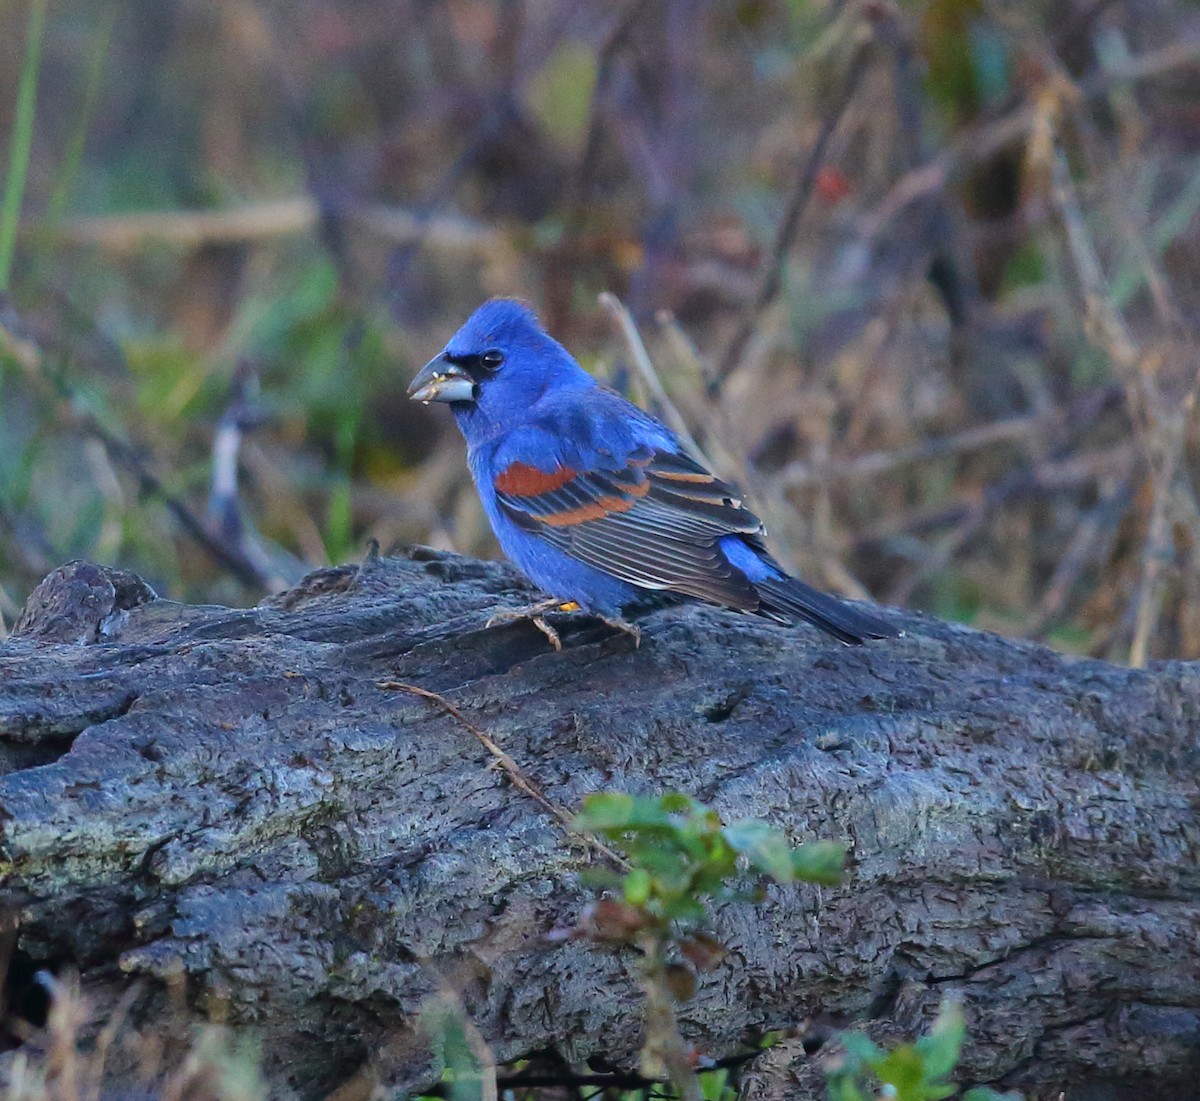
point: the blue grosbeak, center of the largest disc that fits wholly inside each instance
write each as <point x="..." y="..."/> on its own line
<point x="594" y="499"/>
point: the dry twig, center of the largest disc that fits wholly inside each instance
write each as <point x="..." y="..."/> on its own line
<point x="979" y="143"/>
<point x="1091" y="536"/>
<point x="507" y="765"/>
<point x="264" y="221"/>
<point x="649" y="376"/>
<point x="771" y="279"/>
<point x="1159" y="421"/>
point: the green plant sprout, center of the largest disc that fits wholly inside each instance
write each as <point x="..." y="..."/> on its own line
<point x="919" y="1071"/>
<point x="682" y="854"/>
<point x="682" y="860"/>
<point x="467" y="1070"/>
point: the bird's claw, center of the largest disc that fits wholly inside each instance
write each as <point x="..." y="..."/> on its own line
<point x="548" y="631"/>
<point x="625" y="627"/>
<point x="535" y="613"/>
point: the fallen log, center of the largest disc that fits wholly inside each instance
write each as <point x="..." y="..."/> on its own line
<point x="247" y="798"/>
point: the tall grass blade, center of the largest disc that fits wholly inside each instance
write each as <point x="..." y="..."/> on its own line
<point x="69" y="172"/>
<point x="22" y="139"/>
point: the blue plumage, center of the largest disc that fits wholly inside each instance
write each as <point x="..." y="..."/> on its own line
<point x="594" y="499"/>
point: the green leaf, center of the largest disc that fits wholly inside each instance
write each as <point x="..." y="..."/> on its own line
<point x="649" y="813"/>
<point x="637" y="887"/>
<point x="684" y="909"/>
<point x="860" y="1048"/>
<point x="903" y="1068"/>
<point x="619" y="811"/>
<point x="464" y="1074"/>
<point x="674" y="802"/>
<point x="820" y="862"/>
<point x="940" y="1047"/>
<point x="660" y="858"/>
<point x="600" y="879"/>
<point x="713" y="1085"/>
<point x="605" y="811"/>
<point x="764" y="846"/>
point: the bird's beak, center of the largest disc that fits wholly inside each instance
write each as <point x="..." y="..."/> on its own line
<point x="441" y="380"/>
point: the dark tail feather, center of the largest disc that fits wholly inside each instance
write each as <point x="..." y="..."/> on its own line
<point x="786" y="597"/>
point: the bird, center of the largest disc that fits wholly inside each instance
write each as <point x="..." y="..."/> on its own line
<point x="596" y="501"/>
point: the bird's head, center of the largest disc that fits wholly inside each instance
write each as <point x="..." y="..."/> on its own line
<point x="496" y="366"/>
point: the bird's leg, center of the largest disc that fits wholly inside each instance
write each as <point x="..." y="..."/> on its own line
<point x="625" y="627"/>
<point x="535" y="613"/>
<point x="528" y="611"/>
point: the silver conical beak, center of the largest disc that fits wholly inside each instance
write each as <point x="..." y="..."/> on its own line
<point x="441" y="380"/>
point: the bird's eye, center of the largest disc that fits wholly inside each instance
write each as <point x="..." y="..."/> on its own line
<point x="492" y="360"/>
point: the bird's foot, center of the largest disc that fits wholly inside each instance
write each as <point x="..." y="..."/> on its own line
<point x="624" y="626"/>
<point x="536" y="613"/>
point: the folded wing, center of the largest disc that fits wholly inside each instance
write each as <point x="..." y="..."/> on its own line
<point x="662" y="521"/>
<point x="655" y="522"/>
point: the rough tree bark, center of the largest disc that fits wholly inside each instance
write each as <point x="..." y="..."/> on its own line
<point x="233" y="793"/>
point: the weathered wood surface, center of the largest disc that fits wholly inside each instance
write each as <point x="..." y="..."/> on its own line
<point x="233" y="793"/>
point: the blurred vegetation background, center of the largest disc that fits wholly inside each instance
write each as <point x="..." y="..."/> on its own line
<point x="923" y="276"/>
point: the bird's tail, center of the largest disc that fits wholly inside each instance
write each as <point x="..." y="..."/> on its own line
<point x="787" y="598"/>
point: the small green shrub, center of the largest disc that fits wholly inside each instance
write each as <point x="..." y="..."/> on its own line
<point x="919" y="1071"/>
